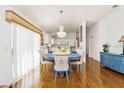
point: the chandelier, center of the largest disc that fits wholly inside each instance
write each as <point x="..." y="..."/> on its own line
<point x="61" y="32"/>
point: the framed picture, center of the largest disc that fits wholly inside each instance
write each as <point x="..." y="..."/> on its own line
<point x="81" y="33"/>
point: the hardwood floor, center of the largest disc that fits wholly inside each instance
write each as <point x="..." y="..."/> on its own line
<point x="94" y="76"/>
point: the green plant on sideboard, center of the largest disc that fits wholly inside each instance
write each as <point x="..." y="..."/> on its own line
<point x="106" y="47"/>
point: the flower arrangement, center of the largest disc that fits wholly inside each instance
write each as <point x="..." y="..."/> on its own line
<point x="62" y="49"/>
<point x="106" y="47"/>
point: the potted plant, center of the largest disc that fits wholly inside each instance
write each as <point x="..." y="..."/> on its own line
<point x="106" y="47"/>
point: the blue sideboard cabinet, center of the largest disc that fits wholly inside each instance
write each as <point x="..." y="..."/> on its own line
<point x="112" y="61"/>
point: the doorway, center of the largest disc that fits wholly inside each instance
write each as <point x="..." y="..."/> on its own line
<point x="91" y="47"/>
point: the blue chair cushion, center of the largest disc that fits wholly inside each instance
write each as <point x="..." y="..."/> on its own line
<point x="74" y="57"/>
<point x="49" y="57"/>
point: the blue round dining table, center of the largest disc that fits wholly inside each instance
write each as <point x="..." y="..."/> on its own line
<point x="71" y="57"/>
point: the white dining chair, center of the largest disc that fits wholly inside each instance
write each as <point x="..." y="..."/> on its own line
<point x="43" y="62"/>
<point x="79" y="63"/>
<point x="61" y="65"/>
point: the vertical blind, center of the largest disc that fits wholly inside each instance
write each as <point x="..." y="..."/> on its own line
<point x="26" y="47"/>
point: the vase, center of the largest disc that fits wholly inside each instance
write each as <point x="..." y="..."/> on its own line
<point x="106" y="49"/>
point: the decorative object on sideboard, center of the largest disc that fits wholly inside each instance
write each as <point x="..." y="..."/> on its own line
<point x="106" y="47"/>
<point x="122" y="40"/>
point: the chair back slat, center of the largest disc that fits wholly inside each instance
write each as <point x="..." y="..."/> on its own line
<point x="81" y="53"/>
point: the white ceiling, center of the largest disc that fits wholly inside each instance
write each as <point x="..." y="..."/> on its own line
<point x="48" y="16"/>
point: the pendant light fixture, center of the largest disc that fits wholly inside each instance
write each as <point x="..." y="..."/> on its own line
<point x="61" y="33"/>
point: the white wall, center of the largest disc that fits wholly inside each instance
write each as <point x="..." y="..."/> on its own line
<point x="109" y="29"/>
<point x="5" y="48"/>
